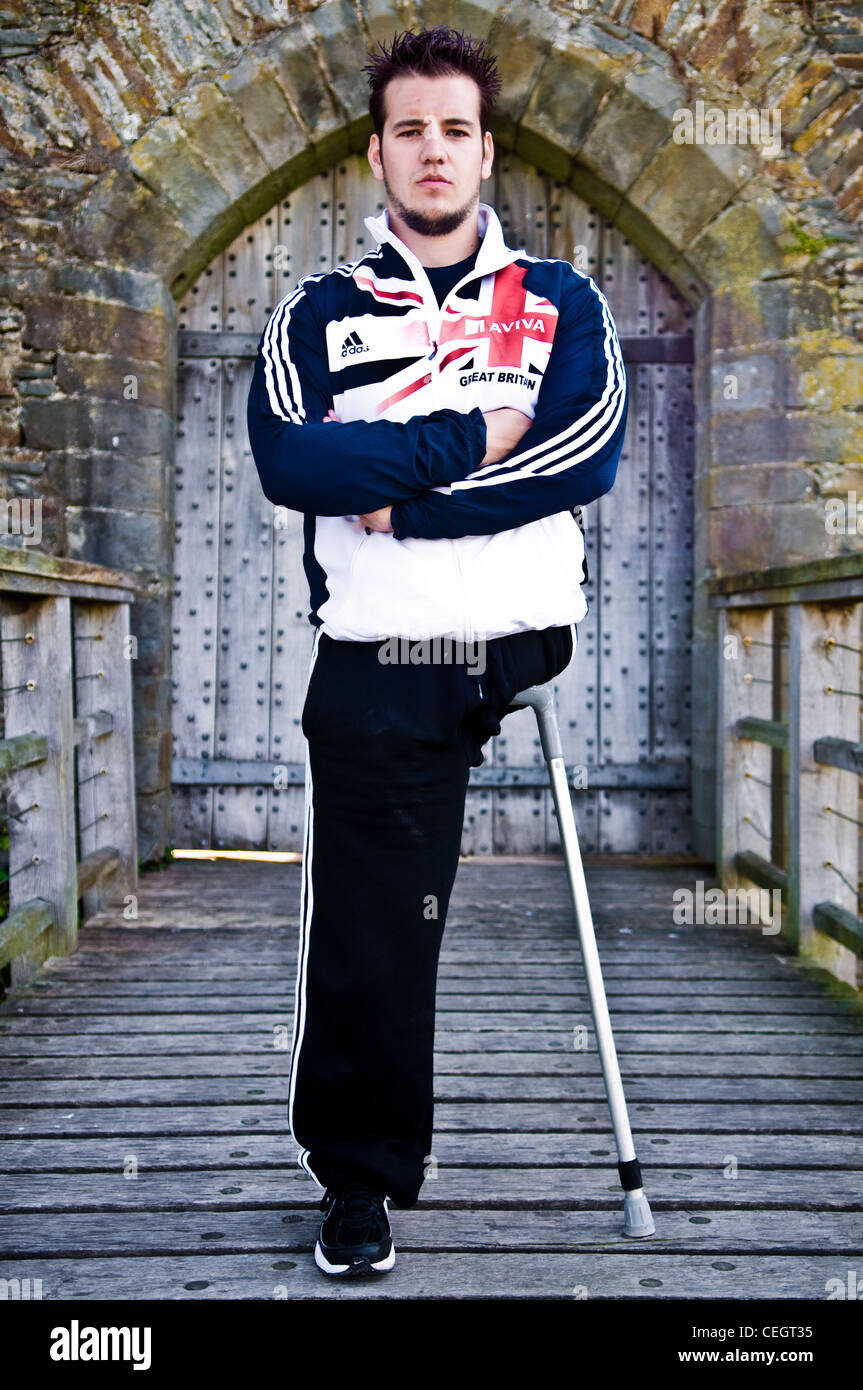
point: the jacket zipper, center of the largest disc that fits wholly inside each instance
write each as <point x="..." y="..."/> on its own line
<point x="429" y="299"/>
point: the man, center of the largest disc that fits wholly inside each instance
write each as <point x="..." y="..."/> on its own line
<point x="436" y="409"/>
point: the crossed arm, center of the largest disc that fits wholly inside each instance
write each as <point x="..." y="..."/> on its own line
<point x="504" y="428"/>
<point x="448" y="473"/>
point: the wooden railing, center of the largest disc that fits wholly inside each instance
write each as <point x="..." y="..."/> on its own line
<point x="66" y="760"/>
<point x="789" y="750"/>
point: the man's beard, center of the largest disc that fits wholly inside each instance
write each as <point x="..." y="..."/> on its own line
<point x="428" y="224"/>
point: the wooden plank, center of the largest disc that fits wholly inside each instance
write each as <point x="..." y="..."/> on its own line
<point x="759" y="870"/>
<point x="597" y="1188"/>
<point x="550" y="1037"/>
<point x="423" y="1275"/>
<point x="245" y="621"/>
<point x="357" y="194"/>
<point x="196" y="530"/>
<point x="671" y="541"/>
<point x="309" y="237"/>
<point x="475" y="976"/>
<point x="61" y="573"/>
<point x="21" y="751"/>
<point x="39" y="697"/>
<point x="232" y="1153"/>
<point x="744" y="775"/>
<point x="826" y="568"/>
<point x="496" y="1062"/>
<point x="107" y="817"/>
<point x="195" y="606"/>
<point x="450" y="982"/>
<point x="839" y="924"/>
<point x="823" y="841"/>
<point x="715" y="1027"/>
<point x="21" y="930"/>
<point x="840" y="752"/>
<point x="573" y="1116"/>
<point x="182" y="1233"/>
<point x="566" y="1083"/>
<point x="624" y="1006"/>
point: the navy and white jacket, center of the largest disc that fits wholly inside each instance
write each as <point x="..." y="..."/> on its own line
<point x="476" y="552"/>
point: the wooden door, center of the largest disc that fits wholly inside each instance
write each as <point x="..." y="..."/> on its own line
<point x="241" y="635"/>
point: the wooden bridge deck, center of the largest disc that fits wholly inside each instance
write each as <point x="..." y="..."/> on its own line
<point x="145" y="1151"/>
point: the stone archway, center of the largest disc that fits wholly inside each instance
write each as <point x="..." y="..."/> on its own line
<point x="589" y="102"/>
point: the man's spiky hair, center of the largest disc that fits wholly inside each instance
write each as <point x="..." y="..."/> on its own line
<point x="434" y="52"/>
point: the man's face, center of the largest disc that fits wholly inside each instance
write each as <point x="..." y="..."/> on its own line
<point x="432" y="155"/>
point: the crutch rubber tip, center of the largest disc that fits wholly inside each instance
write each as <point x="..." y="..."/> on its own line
<point x="637" y="1219"/>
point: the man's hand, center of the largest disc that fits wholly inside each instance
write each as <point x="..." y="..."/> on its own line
<point x="377" y="521"/>
<point x="504" y="428"/>
<point x="373" y="521"/>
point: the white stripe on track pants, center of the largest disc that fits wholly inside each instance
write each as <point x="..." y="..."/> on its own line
<point x="390" y="747"/>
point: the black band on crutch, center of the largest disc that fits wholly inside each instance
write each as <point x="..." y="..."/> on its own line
<point x="630" y="1175"/>
<point x="637" y="1217"/>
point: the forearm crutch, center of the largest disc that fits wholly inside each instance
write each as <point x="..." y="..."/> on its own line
<point x="637" y="1218"/>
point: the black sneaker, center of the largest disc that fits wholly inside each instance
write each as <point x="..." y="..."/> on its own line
<point x="355" y="1233"/>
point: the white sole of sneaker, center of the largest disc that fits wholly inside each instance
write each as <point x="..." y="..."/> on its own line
<point x="380" y="1266"/>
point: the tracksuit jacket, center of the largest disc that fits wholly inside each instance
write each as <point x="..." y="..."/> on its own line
<point x="475" y="552"/>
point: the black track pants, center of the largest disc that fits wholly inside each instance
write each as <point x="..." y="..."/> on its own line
<point x="390" y="747"/>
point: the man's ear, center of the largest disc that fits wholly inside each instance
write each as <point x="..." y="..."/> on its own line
<point x="374" y="156"/>
<point x="488" y="156"/>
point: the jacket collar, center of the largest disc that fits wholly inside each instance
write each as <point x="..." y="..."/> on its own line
<point x="493" y="253"/>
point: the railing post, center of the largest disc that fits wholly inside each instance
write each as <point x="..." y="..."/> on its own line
<point x="106" y="800"/>
<point x="821" y="841"/>
<point x="743" y="784"/>
<point x="37" y="648"/>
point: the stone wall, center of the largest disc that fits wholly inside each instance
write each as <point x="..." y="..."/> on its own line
<point x="139" y="138"/>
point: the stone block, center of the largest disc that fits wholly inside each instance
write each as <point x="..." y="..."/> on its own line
<point x="760" y="537"/>
<point x="739" y="245"/>
<point x="763" y="311"/>
<point x="264" y="110"/>
<point x="134" y="541"/>
<point x="153" y="814"/>
<point x="775" y="436"/>
<point x="123" y="220"/>
<point x="129" y="430"/>
<point x="521" y="40"/>
<point x="573" y="81"/>
<point x="151" y="701"/>
<point x="133" y="288"/>
<point x="151" y="624"/>
<point x="301" y="81"/>
<point x="685" y="186"/>
<point x="91" y="478"/>
<point x="152" y="763"/>
<point x="165" y="159"/>
<point x="340" y="45"/>
<point x="215" y="131"/>
<point x="755" y="381"/>
<point x="838" y="479"/>
<point x="115" y="378"/>
<point x="747" y="485"/>
<point x="632" y="125"/>
<point x="79" y="324"/>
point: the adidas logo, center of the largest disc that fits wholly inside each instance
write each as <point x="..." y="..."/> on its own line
<point x="353" y="344"/>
